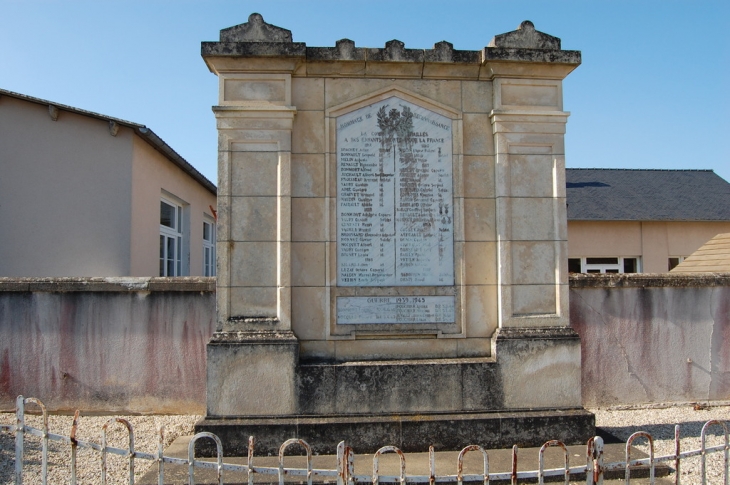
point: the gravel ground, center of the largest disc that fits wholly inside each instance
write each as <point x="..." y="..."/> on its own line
<point x="89" y="428"/>
<point x="621" y="423"/>
<point x="659" y="422"/>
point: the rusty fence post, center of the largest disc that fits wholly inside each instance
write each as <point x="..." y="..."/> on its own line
<point x="703" y="455"/>
<point x="460" y="464"/>
<point x="191" y="456"/>
<point x="307" y="449"/>
<point x="541" y="454"/>
<point x="19" y="438"/>
<point x="629" y="442"/>
<point x="130" y="453"/>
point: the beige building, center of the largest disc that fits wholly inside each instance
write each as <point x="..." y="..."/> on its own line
<point x="712" y="257"/>
<point x="83" y="194"/>
<point x="642" y="221"/>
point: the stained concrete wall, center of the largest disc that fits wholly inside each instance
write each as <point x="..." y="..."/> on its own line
<point x="652" y="338"/>
<point x="106" y="344"/>
<point x="138" y="344"/>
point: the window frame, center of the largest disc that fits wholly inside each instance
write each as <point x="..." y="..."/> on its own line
<point x="679" y="259"/>
<point x="175" y="234"/>
<point x="605" y="267"/>
<point x="209" y="259"/>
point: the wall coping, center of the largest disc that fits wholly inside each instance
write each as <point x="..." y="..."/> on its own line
<point x="108" y="284"/>
<point x="207" y="284"/>
<point x="649" y="280"/>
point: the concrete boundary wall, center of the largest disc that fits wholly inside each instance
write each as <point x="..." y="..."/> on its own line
<point x="649" y="338"/>
<point x="138" y="344"/>
<point x="106" y="344"/>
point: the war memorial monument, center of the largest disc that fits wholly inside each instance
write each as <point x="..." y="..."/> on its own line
<point x="392" y="245"/>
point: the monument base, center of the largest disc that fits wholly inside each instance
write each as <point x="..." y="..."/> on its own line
<point x="409" y="432"/>
<point x="526" y="394"/>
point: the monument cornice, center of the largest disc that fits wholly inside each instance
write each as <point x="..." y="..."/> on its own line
<point x="510" y="113"/>
<point x="519" y="63"/>
<point x="267" y="48"/>
<point x="254" y="337"/>
<point x="299" y="50"/>
<point x="242" y="109"/>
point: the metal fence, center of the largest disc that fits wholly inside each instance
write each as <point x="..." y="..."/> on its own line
<point x="594" y="467"/>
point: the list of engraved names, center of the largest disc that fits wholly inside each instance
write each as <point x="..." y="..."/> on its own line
<point x="394" y="196"/>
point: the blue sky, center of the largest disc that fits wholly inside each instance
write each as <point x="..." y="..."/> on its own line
<point x="652" y="92"/>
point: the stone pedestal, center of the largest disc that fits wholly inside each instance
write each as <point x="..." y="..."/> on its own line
<point x="252" y="374"/>
<point x="392" y="247"/>
<point x="526" y="397"/>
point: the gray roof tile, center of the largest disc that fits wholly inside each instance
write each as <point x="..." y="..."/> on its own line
<point x="596" y="194"/>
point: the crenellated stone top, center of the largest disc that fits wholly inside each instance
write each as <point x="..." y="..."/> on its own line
<point x="256" y="38"/>
<point x="526" y="37"/>
<point x="255" y="30"/>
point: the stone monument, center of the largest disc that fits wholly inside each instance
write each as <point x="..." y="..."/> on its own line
<point x="392" y="247"/>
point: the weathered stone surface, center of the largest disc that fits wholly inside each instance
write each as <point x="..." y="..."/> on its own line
<point x="105" y="347"/>
<point x="112" y="284"/>
<point x="540" y="367"/>
<point x="253" y="337"/>
<point x="649" y="280"/>
<point x="186" y="283"/>
<point x="253" y="49"/>
<point x="537" y="333"/>
<point x="14" y="284"/>
<point x="530" y="55"/>
<point x="685" y="322"/>
<point x="256" y="38"/>
<point x="444" y="52"/>
<point x="525" y="429"/>
<point x="395" y="51"/>
<point x="526" y="37"/>
<point x="229" y="430"/>
<point x="255" y="30"/>
<point x="252" y="373"/>
<point x="399" y="387"/>
<point x="409" y="432"/>
<point x="344" y="50"/>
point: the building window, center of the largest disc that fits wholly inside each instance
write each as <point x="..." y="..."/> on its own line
<point x="604" y="265"/>
<point x="208" y="248"/>
<point x="631" y="265"/>
<point x="171" y="240"/>
<point x="674" y="262"/>
<point x="574" y="265"/>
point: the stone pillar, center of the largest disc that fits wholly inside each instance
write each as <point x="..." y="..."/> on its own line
<point x="253" y="355"/>
<point x="538" y="352"/>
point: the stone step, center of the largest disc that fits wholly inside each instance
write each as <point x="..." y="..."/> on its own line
<point x="367" y="433"/>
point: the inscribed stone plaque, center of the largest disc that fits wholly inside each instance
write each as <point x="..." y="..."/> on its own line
<point x="395" y="309"/>
<point x="394" y="197"/>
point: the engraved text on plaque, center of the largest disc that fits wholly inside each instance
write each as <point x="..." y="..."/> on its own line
<point x="394" y="206"/>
